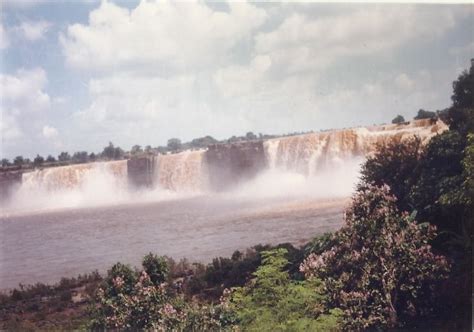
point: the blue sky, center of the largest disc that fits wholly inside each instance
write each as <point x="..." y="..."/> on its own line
<point x="76" y="75"/>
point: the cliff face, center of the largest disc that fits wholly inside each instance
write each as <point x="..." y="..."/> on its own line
<point x="140" y="171"/>
<point x="228" y="164"/>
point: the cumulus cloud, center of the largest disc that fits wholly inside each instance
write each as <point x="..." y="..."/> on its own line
<point x="24" y="91"/>
<point x="23" y="103"/>
<point x="170" y="35"/>
<point x="301" y="42"/>
<point x="33" y="31"/>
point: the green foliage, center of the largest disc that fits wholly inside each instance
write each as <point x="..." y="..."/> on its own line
<point x="174" y="144"/>
<point x="203" y="142"/>
<point x="251" y="136"/>
<point x="422" y="114"/>
<point x="50" y="159"/>
<point x="111" y="152"/>
<point x="120" y="279"/>
<point x="398" y="119"/>
<point x="156" y="267"/>
<point x="381" y="270"/>
<point x="136" y="149"/>
<point x="64" y="156"/>
<point x="5" y="162"/>
<point x="463" y="89"/>
<point x="80" y="157"/>
<point x="319" y="244"/>
<point x="396" y="164"/>
<point x="18" y="161"/>
<point x="271" y="301"/>
<point x="38" y="161"/>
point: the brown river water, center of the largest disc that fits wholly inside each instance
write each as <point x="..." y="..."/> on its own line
<point x="45" y="246"/>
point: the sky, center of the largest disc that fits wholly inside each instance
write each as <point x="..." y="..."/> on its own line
<point x="76" y="75"/>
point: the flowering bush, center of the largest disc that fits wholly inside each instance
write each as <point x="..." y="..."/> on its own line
<point x="125" y="301"/>
<point x="146" y="305"/>
<point x="381" y="270"/>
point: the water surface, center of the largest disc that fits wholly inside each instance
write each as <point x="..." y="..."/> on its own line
<point x="43" y="247"/>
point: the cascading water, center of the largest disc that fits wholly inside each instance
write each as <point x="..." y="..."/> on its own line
<point x="71" y="186"/>
<point x="74" y="176"/>
<point x="182" y="172"/>
<point x="308" y="154"/>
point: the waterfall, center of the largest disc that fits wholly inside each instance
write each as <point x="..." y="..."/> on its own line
<point x="324" y="163"/>
<point x="182" y="172"/>
<point x="74" y="176"/>
<point x="308" y="154"/>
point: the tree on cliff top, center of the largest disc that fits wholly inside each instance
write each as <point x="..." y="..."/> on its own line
<point x="111" y="152"/>
<point x="18" y="161"/>
<point x="398" y="119"/>
<point x="174" y="144"/>
<point x="422" y="114"/>
<point x="38" y="161"/>
<point x="64" y="156"/>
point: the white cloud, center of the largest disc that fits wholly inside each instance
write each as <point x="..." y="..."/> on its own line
<point x="49" y="132"/>
<point x="237" y="80"/>
<point x="301" y="43"/>
<point x="25" y="90"/>
<point x="23" y="104"/>
<point x="166" y="35"/>
<point x="33" y="31"/>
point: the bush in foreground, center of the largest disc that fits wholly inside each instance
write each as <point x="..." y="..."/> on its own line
<point x="381" y="270"/>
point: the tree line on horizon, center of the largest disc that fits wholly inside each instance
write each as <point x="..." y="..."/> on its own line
<point x="174" y="145"/>
<point x="112" y="152"/>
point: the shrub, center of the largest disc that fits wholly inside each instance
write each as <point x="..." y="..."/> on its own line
<point x="381" y="270"/>
<point x="272" y="301"/>
<point x="156" y="268"/>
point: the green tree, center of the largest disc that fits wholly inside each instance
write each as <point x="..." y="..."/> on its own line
<point x="111" y="152"/>
<point x="136" y="149"/>
<point x="5" y="162"/>
<point x="396" y="164"/>
<point x="381" y="270"/>
<point x="80" y="157"/>
<point x="250" y="136"/>
<point x="174" y="144"/>
<point x="50" y="159"/>
<point x="271" y="301"/>
<point x="156" y="267"/>
<point x="64" y="156"/>
<point x="18" y="161"/>
<point x="398" y="119"/>
<point x="422" y="114"/>
<point x="38" y="161"/>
